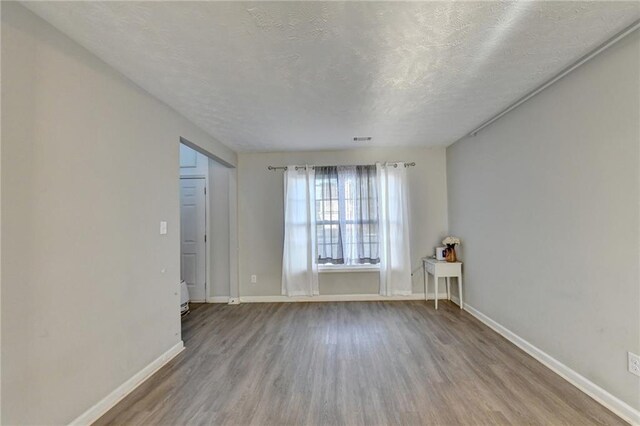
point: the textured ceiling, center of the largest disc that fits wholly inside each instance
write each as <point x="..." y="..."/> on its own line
<point x="273" y="76"/>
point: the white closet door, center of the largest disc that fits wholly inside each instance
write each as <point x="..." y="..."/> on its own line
<point x="193" y="268"/>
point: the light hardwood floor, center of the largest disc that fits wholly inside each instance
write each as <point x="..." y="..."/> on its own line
<point x="351" y="363"/>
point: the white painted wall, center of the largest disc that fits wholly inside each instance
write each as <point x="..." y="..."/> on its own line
<point x="89" y="169"/>
<point x="260" y="201"/>
<point x="546" y="201"/>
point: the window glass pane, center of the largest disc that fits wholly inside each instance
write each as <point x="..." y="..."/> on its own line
<point x="346" y="213"/>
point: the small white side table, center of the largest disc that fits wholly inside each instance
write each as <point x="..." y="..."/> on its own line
<point x="442" y="269"/>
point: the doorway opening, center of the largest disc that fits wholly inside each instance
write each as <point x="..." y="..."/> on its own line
<point x="194" y="224"/>
<point x="208" y="235"/>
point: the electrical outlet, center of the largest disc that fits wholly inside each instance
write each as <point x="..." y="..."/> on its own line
<point x="634" y="363"/>
<point x="254" y="279"/>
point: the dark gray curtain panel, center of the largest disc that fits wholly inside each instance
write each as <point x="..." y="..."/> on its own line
<point x="329" y="239"/>
<point x="366" y="215"/>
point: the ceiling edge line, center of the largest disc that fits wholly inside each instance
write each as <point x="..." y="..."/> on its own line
<point x="567" y="70"/>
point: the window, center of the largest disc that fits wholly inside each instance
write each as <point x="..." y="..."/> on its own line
<point x="347" y="215"/>
<point x="328" y="236"/>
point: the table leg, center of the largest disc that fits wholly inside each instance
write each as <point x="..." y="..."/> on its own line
<point x="448" y="288"/>
<point x="460" y="290"/>
<point x="435" y="278"/>
<point x="426" y="280"/>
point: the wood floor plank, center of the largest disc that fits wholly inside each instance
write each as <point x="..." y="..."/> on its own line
<point x="350" y="363"/>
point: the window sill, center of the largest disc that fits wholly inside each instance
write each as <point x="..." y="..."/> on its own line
<point x="348" y="268"/>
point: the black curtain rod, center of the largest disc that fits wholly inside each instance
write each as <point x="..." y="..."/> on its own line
<point x="395" y="164"/>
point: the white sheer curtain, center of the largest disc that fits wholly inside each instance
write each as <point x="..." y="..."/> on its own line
<point x="393" y="212"/>
<point x="299" y="267"/>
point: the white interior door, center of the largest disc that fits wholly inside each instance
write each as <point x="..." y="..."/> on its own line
<point x="193" y="225"/>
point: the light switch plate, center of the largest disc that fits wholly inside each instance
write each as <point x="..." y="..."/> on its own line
<point x="254" y="279"/>
<point x="163" y="227"/>
<point x="634" y="363"/>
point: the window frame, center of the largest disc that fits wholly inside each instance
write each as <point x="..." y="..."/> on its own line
<point x="341" y="267"/>
<point x="337" y="267"/>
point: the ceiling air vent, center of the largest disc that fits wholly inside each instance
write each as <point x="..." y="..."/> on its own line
<point x="362" y="138"/>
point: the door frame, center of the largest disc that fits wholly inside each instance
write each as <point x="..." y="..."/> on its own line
<point x="207" y="244"/>
<point x="234" y="272"/>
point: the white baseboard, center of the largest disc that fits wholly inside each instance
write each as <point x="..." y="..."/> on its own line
<point x="335" y="298"/>
<point x="218" y="299"/>
<point x="619" y="407"/>
<point x="109" y="401"/>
